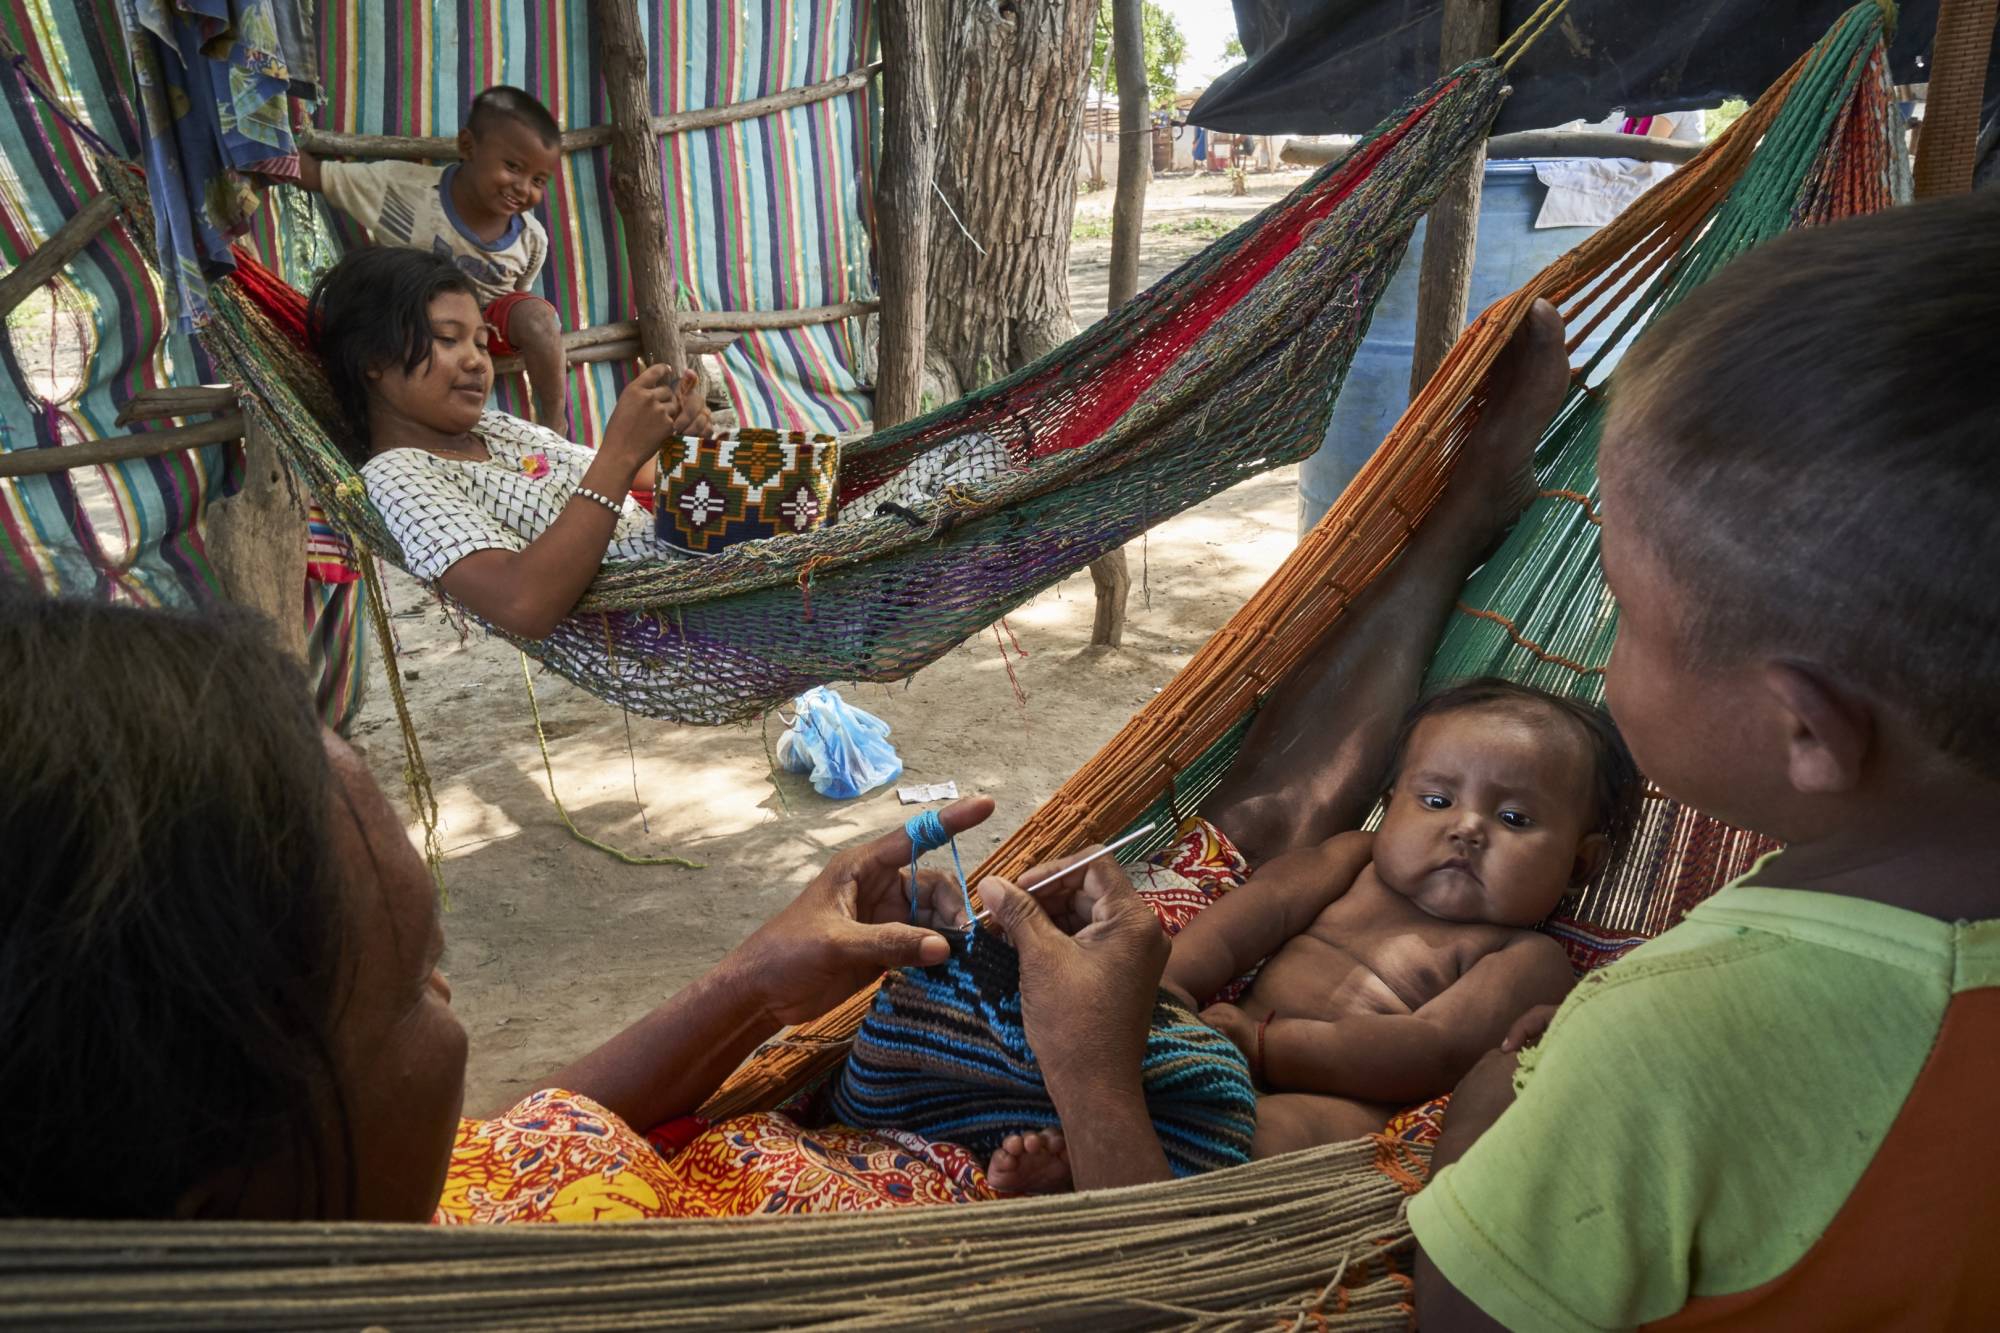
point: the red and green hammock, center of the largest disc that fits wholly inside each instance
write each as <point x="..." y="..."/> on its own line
<point x="1225" y="368"/>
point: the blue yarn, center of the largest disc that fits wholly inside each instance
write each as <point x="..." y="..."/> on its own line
<point x="944" y="1051"/>
<point x="927" y="833"/>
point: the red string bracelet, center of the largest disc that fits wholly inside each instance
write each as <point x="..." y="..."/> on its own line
<point x="1257" y="1068"/>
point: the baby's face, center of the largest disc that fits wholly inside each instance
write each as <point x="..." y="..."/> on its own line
<point x="1489" y="819"/>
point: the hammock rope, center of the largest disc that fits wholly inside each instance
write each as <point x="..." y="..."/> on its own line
<point x="1819" y="143"/>
<point x="1224" y="369"/>
<point x="1221" y="1251"/>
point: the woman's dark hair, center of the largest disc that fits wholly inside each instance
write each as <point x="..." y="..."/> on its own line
<point x="171" y="930"/>
<point x="1617" y="792"/>
<point x="371" y="310"/>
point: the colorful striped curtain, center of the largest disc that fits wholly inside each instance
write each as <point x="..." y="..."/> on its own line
<point x="131" y="531"/>
<point x="126" y="531"/>
<point x="768" y="214"/>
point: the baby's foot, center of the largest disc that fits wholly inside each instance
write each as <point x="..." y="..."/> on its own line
<point x="1495" y="477"/>
<point x="1030" y="1164"/>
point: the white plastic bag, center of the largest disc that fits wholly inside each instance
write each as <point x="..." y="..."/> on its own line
<point x="846" y="750"/>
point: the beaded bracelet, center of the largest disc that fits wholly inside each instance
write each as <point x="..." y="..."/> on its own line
<point x="604" y="500"/>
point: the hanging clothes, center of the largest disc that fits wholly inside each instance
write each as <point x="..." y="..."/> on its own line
<point x="212" y="83"/>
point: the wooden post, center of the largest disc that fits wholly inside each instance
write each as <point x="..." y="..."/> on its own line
<point x="636" y="186"/>
<point x="1135" y="167"/>
<point x="52" y="255"/>
<point x="1444" y="283"/>
<point x="902" y="211"/>
<point x="256" y="540"/>
<point x="1946" y="147"/>
<point x="1111" y="575"/>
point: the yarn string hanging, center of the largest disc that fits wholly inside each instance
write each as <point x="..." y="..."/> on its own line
<point x="927" y="833"/>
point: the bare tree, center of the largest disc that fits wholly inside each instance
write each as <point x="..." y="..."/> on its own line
<point x="1011" y="99"/>
<point x="1013" y="76"/>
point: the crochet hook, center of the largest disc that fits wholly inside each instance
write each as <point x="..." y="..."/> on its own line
<point x="984" y="916"/>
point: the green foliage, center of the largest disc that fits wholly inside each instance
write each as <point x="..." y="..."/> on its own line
<point x="1233" y="48"/>
<point x="1166" y="49"/>
<point x="1717" y="119"/>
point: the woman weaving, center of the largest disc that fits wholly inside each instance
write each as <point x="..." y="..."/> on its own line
<point x="253" y="960"/>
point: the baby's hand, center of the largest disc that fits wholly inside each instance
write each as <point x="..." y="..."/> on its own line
<point x="1234" y="1024"/>
<point x="1528" y="1028"/>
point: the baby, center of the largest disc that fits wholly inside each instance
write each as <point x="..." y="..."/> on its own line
<point x="1397" y="958"/>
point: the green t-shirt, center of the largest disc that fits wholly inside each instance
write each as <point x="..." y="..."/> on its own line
<point x="1698" y="1112"/>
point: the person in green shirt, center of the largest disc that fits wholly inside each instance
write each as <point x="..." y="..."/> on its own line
<point x="1779" y="1114"/>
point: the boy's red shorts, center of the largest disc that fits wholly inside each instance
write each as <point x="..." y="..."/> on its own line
<point x="497" y="315"/>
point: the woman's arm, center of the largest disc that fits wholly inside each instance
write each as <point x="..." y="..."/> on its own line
<point x="1090" y="968"/>
<point x="1249" y="924"/>
<point x="848" y="926"/>
<point x="1481" y="1098"/>
<point x="527" y="592"/>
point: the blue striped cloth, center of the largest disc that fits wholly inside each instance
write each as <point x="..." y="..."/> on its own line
<point x="943" y="1054"/>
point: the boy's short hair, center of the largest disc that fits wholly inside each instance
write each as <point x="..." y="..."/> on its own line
<point x="503" y="102"/>
<point x="1616" y="789"/>
<point x="1811" y="436"/>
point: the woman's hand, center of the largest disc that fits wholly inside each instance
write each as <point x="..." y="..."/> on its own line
<point x="847" y="927"/>
<point x="852" y="923"/>
<point x="656" y="406"/>
<point x="1091" y="957"/>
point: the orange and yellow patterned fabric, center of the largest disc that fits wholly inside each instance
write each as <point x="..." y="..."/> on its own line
<point x="560" y="1157"/>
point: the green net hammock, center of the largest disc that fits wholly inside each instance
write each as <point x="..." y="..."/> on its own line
<point x="1225" y="368"/>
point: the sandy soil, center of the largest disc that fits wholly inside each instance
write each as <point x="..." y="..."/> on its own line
<point x="554" y="946"/>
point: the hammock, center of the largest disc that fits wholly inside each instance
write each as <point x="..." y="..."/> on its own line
<point x="1822" y="143"/>
<point x="1283" y="1243"/>
<point x="1225" y="368"/>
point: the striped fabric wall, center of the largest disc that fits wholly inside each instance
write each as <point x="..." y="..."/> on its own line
<point x="128" y="531"/>
<point x="769" y="214"/>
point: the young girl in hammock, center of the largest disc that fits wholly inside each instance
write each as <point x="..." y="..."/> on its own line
<point x="510" y="519"/>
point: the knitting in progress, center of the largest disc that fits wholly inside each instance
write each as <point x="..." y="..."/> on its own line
<point x="943" y="1053"/>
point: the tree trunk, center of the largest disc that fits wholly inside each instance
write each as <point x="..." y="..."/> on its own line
<point x="1444" y="281"/>
<point x="1013" y="89"/>
<point x="256" y="542"/>
<point x="1111" y="575"/>
<point x="636" y="185"/>
<point x="1135" y="167"/>
<point x="902" y="210"/>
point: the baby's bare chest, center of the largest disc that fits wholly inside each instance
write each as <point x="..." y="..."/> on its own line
<point x="1372" y="953"/>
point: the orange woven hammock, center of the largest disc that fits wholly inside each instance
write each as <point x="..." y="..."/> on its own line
<point x="1844" y="170"/>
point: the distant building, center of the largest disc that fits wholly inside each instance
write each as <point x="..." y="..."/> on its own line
<point x="1173" y="143"/>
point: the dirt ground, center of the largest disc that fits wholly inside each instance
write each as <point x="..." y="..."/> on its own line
<point x="554" y="946"/>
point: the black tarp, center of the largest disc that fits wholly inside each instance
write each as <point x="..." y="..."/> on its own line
<point x="1339" y="66"/>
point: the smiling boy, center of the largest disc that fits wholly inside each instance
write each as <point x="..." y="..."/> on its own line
<point x="477" y="212"/>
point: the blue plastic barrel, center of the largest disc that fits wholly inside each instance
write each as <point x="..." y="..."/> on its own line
<point x="1508" y="252"/>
